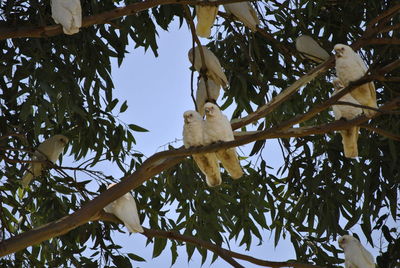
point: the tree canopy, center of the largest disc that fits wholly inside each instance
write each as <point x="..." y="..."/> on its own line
<point x="54" y="83"/>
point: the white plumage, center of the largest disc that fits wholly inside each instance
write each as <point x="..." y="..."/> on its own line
<point x="309" y="48"/>
<point x="68" y="13"/>
<point x="49" y="150"/>
<point x="202" y="94"/>
<point x="193" y="136"/>
<point x="218" y="128"/>
<point x="205" y="19"/>
<point x="349" y="136"/>
<point x="350" y="67"/>
<point x="214" y="69"/>
<point x="356" y="256"/>
<point x="244" y="12"/>
<point x="124" y="208"/>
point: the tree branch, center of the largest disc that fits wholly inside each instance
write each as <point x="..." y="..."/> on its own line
<point x="101" y="18"/>
<point x="223" y="253"/>
<point x="382" y="132"/>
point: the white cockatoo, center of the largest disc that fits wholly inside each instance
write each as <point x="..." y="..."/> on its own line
<point x="124" y="208"/>
<point x="356" y="256"/>
<point x="214" y="69"/>
<point x="202" y="95"/>
<point x="218" y="128"/>
<point x="350" y="67"/>
<point x="349" y="136"/>
<point x="244" y="12"/>
<point x="309" y="48"/>
<point x="49" y="150"/>
<point x="68" y="13"/>
<point x="193" y="136"/>
<point x="205" y="19"/>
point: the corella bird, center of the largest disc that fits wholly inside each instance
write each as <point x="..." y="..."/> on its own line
<point x="203" y="96"/>
<point x="193" y="136"/>
<point x="349" y="136"/>
<point x="205" y="19"/>
<point x="309" y="48"/>
<point x="68" y="13"/>
<point x="356" y="256"/>
<point x="214" y="69"/>
<point x="244" y="12"/>
<point x="49" y="150"/>
<point x="217" y="128"/>
<point x="124" y="208"/>
<point x="350" y="67"/>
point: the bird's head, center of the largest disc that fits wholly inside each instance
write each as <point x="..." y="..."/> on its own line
<point x="346" y="241"/>
<point x="211" y="109"/>
<point x="191" y="116"/>
<point x="342" y="50"/>
<point x="61" y="139"/>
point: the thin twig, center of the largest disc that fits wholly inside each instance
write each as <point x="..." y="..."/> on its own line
<point x="382" y="132"/>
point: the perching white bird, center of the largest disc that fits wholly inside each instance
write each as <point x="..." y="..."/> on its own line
<point x="218" y="128"/>
<point x="349" y="136"/>
<point x="356" y="256"/>
<point x="193" y="136"/>
<point x="244" y="12"/>
<point x="214" y="69"/>
<point x="205" y="19"/>
<point x="202" y="94"/>
<point x="309" y="48"/>
<point x="68" y="13"/>
<point x="350" y="67"/>
<point x="50" y="150"/>
<point x="124" y="208"/>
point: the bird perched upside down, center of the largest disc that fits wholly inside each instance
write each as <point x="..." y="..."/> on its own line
<point x="124" y="208"/>
<point x="214" y="69"/>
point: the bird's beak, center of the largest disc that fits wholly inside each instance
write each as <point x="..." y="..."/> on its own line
<point x="338" y="53"/>
<point x="185" y="119"/>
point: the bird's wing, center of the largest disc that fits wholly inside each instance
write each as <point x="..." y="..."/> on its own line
<point x="208" y="164"/>
<point x="201" y="96"/>
<point x="367" y="257"/>
<point x="215" y="69"/>
<point x="230" y="162"/>
<point x="357" y="58"/>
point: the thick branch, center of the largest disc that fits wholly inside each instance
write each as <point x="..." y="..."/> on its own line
<point x="152" y="166"/>
<point x="102" y="18"/>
